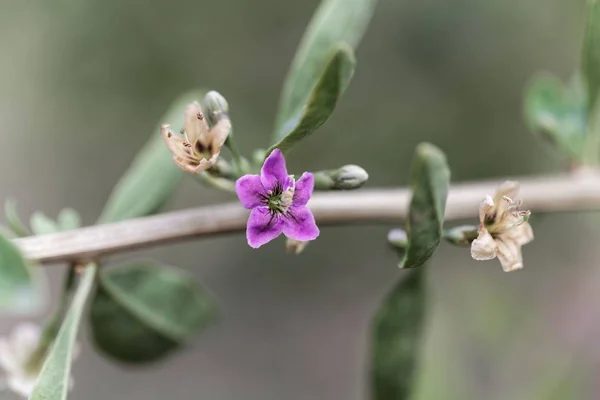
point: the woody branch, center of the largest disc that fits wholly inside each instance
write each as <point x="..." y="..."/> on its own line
<point x="559" y="193"/>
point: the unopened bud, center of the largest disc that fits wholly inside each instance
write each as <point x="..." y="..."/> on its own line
<point x="398" y="238"/>
<point x="347" y="177"/>
<point x="294" y="246"/>
<point x="461" y="235"/>
<point x="216" y="106"/>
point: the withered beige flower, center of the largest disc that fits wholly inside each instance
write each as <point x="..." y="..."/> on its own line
<point x="200" y="146"/>
<point x="503" y="228"/>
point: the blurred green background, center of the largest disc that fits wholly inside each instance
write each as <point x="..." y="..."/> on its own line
<point x="83" y="83"/>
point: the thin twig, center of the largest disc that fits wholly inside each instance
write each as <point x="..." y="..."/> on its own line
<point x="543" y="194"/>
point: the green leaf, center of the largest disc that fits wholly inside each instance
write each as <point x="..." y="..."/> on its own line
<point x="43" y="225"/>
<point x="53" y="381"/>
<point x="591" y="52"/>
<point x="153" y="176"/>
<point x="322" y="100"/>
<point x="13" y="219"/>
<point x="143" y="311"/>
<point x="68" y="219"/>
<point x="19" y="288"/>
<point x="335" y="21"/>
<point x="430" y="182"/>
<point x="396" y="338"/>
<point x="558" y="113"/>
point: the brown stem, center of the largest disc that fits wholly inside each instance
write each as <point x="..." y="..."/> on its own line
<point x="558" y="193"/>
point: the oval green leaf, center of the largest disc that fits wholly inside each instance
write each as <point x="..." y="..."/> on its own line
<point x="42" y="224"/>
<point x="19" y="288"/>
<point x="558" y="113"/>
<point x="143" y="311"/>
<point x="322" y="100"/>
<point x="591" y="52"/>
<point x="53" y="381"/>
<point x="396" y="339"/>
<point x="153" y="176"/>
<point x="429" y="182"/>
<point x="335" y="21"/>
<point x="68" y="219"/>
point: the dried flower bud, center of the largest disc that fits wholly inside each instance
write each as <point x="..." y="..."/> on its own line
<point x="461" y="235"/>
<point x="347" y="177"/>
<point x="293" y="246"/>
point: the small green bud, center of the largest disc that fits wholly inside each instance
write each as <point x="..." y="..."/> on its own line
<point x="350" y="177"/>
<point x="347" y="177"/>
<point x="216" y="106"/>
<point x="461" y="235"/>
<point x="398" y="238"/>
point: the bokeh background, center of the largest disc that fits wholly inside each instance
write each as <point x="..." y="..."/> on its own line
<point x="82" y="85"/>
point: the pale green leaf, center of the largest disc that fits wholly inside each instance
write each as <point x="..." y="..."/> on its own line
<point x="43" y="225"/>
<point x="153" y="176"/>
<point x="19" y="287"/>
<point x="396" y="339"/>
<point x="558" y="113"/>
<point x="429" y="183"/>
<point x="68" y="219"/>
<point x="591" y="52"/>
<point x="13" y="219"/>
<point x="143" y="311"/>
<point x="53" y="381"/>
<point x="322" y="99"/>
<point x="334" y="21"/>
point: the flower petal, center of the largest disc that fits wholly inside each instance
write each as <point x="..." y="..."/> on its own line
<point x="521" y="234"/>
<point x="484" y="247"/>
<point x="300" y="224"/>
<point x="250" y="191"/>
<point x="508" y="189"/>
<point x="274" y="172"/>
<point x="304" y="189"/>
<point x="485" y="208"/>
<point x="263" y="226"/>
<point x="196" y="127"/>
<point x="187" y="166"/>
<point x="218" y="135"/>
<point x="175" y="143"/>
<point x="509" y="254"/>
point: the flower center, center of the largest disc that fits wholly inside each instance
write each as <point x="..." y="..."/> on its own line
<point x="280" y="200"/>
<point x="511" y="218"/>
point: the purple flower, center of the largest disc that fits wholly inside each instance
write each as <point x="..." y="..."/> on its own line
<point x="278" y="203"/>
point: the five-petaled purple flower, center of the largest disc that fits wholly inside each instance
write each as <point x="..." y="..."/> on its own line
<point x="278" y="203"/>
